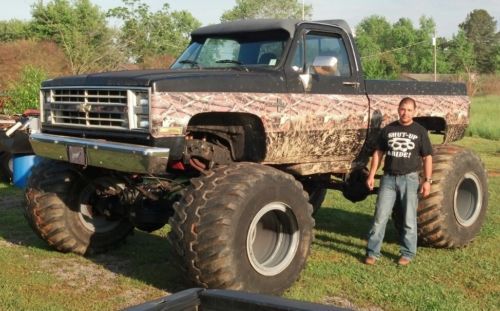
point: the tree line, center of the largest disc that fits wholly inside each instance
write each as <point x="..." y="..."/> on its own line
<point x="82" y="30"/>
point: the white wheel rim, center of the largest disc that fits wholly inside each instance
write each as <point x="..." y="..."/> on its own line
<point x="468" y="200"/>
<point x="272" y="239"/>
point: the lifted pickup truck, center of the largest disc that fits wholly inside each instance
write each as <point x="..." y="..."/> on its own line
<point x="235" y="147"/>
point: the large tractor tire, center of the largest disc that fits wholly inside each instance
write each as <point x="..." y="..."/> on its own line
<point x="66" y="208"/>
<point x="6" y="166"/>
<point x="453" y="213"/>
<point x="243" y="226"/>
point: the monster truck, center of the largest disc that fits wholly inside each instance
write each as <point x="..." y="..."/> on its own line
<point x="235" y="146"/>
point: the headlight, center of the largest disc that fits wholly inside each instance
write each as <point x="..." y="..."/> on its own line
<point x="141" y="110"/>
<point x="45" y="102"/>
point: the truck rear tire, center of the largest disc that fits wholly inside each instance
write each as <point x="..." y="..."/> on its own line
<point x="244" y="226"/>
<point x="317" y="195"/>
<point x="453" y="213"/>
<point x="63" y="208"/>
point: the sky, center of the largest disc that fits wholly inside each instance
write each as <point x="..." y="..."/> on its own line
<point x="447" y="14"/>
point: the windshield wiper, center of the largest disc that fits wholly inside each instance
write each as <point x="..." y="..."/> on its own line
<point x="190" y="62"/>
<point x="229" y="61"/>
<point x="232" y="61"/>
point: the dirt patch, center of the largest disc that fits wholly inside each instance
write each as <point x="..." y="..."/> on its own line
<point x="6" y="244"/>
<point x="493" y="173"/>
<point x="80" y="275"/>
<point x="344" y="303"/>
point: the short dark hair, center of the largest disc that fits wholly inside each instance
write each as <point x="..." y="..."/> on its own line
<point x="408" y="100"/>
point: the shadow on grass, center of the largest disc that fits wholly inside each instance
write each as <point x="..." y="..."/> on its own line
<point x="351" y="224"/>
<point x="144" y="257"/>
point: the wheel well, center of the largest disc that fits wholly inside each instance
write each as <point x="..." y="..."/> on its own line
<point x="436" y="125"/>
<point x="243" y="132"/>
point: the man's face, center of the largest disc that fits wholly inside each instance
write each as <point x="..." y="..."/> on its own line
<point x="406" y="112"/>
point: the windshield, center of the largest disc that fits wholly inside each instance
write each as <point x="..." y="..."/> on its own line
<point x="232" y="51"/>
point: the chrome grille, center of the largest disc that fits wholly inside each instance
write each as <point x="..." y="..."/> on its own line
<point x="92" y="108"/>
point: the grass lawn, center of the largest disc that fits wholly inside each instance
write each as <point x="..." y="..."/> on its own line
<point x="484" y="111"/>
<point x="34" y="277"/>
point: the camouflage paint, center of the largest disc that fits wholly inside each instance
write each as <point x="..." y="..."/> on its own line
<point x="322" y="132"/>
<point x="454" y="109"/>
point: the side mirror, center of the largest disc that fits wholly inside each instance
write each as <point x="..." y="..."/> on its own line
<point x="326" y="66"/>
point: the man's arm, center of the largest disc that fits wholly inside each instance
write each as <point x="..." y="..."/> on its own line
<point x="425" y="188"/>
<point x="376" y="160"/>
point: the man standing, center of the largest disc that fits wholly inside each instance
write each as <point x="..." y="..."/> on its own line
<point x="406" y="145"/>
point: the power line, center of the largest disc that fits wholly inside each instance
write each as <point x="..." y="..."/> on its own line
<point x="393" y="50"/>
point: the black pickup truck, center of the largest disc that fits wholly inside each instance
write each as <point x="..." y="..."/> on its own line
<point x="235" y="146"/>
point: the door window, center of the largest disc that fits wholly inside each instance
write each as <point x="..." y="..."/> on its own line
<point x="318" y="44"/>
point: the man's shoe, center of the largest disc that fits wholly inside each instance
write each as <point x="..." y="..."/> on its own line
<point x="404" y="261"/>
<point x="370" y="260"/>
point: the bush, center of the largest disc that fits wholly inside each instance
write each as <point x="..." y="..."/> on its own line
<point x="24" y="93"/>
<point x="490" y="84"/>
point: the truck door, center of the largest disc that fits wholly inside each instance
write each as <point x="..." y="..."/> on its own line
<point x="324" y="42"/>
<point x="323" y="68"/>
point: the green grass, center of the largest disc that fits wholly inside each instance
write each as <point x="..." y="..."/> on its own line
<point x="484" y="113"/>
<point x="34" y="277"/>
<point x="461" y="279"/>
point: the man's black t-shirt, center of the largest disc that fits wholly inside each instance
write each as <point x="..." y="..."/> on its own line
<point x="404" y="147"/>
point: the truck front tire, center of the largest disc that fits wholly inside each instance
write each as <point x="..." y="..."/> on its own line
<point x="452" y="215"/>
<point x="244" y="226"/>
<point x="64" y="210"/>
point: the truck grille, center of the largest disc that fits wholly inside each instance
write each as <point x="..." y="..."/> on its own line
<point x="93" y="108"/>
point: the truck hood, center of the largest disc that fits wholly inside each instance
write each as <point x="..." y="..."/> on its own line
<point x="228" y="80"/>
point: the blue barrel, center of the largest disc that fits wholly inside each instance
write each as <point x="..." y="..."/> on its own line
<point x="22" y="168"/>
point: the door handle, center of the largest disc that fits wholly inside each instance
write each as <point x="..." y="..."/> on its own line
<point x="350" y="83"/>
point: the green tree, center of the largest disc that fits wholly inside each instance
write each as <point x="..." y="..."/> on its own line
<point x="373" y="38"/>
<point x="423" y="50"/>
<point x="480" y="30"/>
<point x="388" y="50"/>
<point x="80" y="28"/>
<point x="23" y="94"/>
<point x="14" y="29"/>
<point x="248" y="9"/>
<point x="461" y="53"/>
<point x="147" y="33"/>
<point x="461" y="56"/>
<point x="403" y="35"/>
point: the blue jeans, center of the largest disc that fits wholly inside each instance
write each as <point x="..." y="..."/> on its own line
<point x="392" y="188"/>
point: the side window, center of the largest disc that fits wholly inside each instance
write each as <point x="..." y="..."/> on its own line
<point x="318" y="44"/>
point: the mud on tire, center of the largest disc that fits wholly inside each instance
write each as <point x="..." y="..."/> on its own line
<point x="59" y="199"/>
<point x="453" y="213"/>
<point x="244" y="226"/>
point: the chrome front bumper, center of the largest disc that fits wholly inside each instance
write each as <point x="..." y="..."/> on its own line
<point x="116" y="156"/>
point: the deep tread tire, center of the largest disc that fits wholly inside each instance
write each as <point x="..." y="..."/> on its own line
<point x="212" y="220"/>
<point x="53" y="210"/>
<point x="455" y="210"/>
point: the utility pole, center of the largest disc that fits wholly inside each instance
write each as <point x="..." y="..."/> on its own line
<point x="434" y="43"/>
